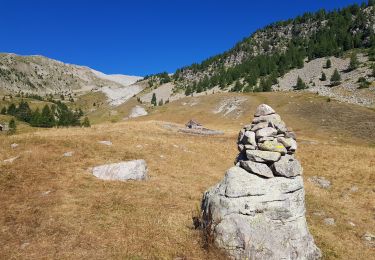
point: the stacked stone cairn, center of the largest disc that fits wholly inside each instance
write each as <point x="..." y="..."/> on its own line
<point x="267" y="147"/>
<point x="258" y="210"/>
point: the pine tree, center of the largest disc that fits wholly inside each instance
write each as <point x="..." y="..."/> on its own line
<point x="12" y="127"/>
<point x="188" y="91"/>
<point x="328" y="64"/>
<point x="371" y="53"/>
<point x="353" y="62"/>
<point x="323" y="77"/>
<point x="3" y="111"/>
<point x="80" y="112"/>
<point x="12" y="109"/>
<point x="300" y="84"/>
<point x="237" y="87"/>
<point x="336" y="78"/>
<point x="36" y="118"/>
<point x="47" y="119"/>
<point x="153" y="99"/>
<point x="65" y="116"/>
<point x="86" y="122"/>
<point x="265" y="85"/>
<point x="23" y="112"/>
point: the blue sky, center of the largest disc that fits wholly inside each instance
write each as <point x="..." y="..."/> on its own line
<point x="139" y="37"/>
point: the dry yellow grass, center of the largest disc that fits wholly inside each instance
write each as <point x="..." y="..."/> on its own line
<point x="52" y="207"/>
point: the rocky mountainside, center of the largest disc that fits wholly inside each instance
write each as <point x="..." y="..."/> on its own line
<point x="310" y="35"/>
<point x="275" y="57"/>
<point x="41" y="75"/>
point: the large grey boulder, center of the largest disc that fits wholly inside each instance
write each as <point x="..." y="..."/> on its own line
<point x="255" y="218"/>
<point x="258" y="210"/>
<point x="123" y="171"/>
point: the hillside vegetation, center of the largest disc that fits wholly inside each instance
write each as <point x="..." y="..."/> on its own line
<point x="257" y="61"/>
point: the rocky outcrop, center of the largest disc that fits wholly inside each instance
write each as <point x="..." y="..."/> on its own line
<point x="258" y="210"/>
<point x="138" y="111"/>
<point x="123" y="171"/>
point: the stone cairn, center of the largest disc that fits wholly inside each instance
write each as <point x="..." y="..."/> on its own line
<point x="267" y="147"/>
<point x="258" y="210"/>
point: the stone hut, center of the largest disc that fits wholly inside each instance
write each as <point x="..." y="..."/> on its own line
<point x="192" y="124"/>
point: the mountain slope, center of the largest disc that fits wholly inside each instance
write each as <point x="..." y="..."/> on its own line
<point x="273" y="58"/>
<point x="277" y="48"/>
<point x="41" y="75"/>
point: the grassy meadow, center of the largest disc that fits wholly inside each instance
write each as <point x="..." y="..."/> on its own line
<point x="53" y="208"/>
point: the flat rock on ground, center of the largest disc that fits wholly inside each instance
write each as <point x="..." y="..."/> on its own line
<point x="123" y="171"/>
<point x="138" y="111"/>
<point x="108" y="143"/>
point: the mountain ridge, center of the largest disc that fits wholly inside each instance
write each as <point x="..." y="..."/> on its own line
<point x="42" y="75"/>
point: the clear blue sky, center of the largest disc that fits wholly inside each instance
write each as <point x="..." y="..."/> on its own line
<point x="139" y="37"/>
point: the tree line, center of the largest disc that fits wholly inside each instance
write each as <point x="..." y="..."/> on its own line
<point x="57" y="114"/>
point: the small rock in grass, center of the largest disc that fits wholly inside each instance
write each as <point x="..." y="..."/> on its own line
<point x="109" y="143"/>
<point x="329" y="221"/>
<point x="68" y="154"/>
<point x="11" y="160"/>
<point x="45" y="193"/>
<point x="351" y="223"/>
<point x="369" y="239"/>
<point x="320" y="182"/>
<point x="24" y="245"/>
